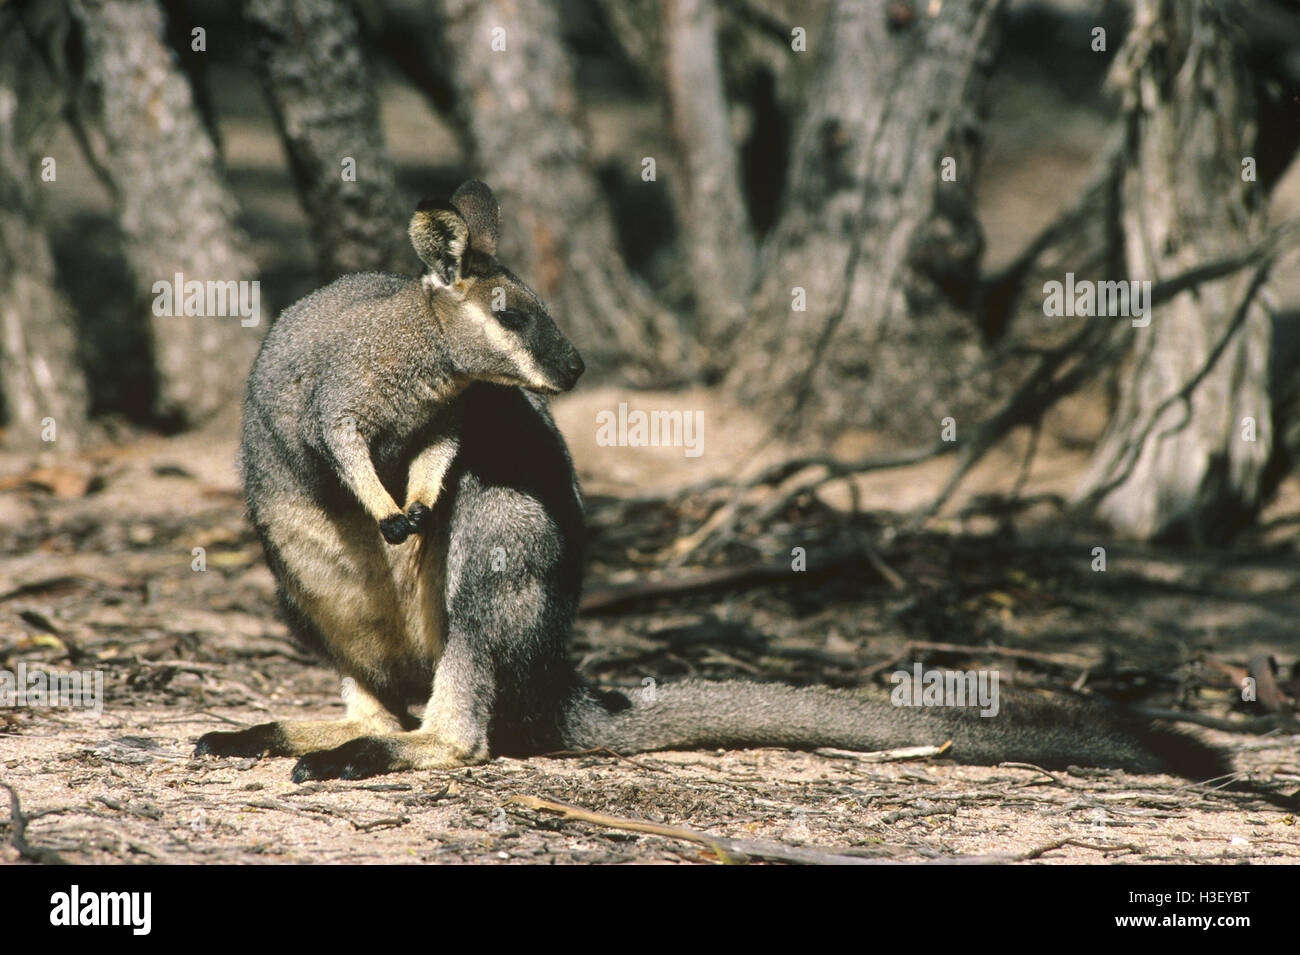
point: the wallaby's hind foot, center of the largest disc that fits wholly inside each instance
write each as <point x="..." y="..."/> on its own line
<point x="365" y="716"/>
<point x="281" y="738"/>
<point x="376" y="755"/>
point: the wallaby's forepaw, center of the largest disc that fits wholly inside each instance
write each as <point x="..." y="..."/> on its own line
<point x="355" y="759"/>
<point x="397" y="527"/>
<point x="420" y="516"/>
<point x="261" y="740"/>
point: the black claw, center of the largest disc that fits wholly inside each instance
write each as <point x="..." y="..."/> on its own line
<point x="396" y="528"/>
<point x="302" y="772"/>
<point x="355" y="759"/>
<point x="420" y="516"/>
<point x="256" y="741"/>
<point x="323" y="764"/>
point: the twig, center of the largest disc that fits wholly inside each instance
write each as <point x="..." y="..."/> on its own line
<point x="730" y="851"/>
<point x="869" y="551"/>
<point x="1000" y="292"/>
<point x="1090" y="350"/>
<point x="1053" y="659"/>
<point x="623" y="595"/>
<point x="18" y="837"/>
<point x="1263" y="669"/>
<point x="898" y="815"/>
<point x="1038" y="769"/>
<point x="1128" y="455"/>
<point x="720" y="524"/>
<point x="1030" y="401"/>
<point x="308" y="812"/>
<point x="604" y="751"/>
<point x="388" y="822"/>
<point x="887" y="755"/>
<point x="1038" y="393"/>
<point x="1259" y="724"/>
<point x="1079" y="843"/>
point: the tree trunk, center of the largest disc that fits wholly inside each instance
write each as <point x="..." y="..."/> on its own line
<point x="636" y="25"/>
<point x="400" y="31"/>
<point x="871" y="237"/>
<point x="176" y="214"/>
<point x="1179" y="459"/>
<point x="179" y="36"/>
<point x="706" y="185"/>
<point x="44" y="387"/>
<point x="762" y="85"/>
<point x="309" y="57"/>
<point x="520" y="107"/>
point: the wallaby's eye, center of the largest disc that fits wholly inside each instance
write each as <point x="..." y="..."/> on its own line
<point x="512" y="319"/>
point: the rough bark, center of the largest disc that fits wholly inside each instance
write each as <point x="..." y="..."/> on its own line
<point x="309" y="57"/>
<point x="1175" y="462"/>
<point x="520" y="108"/>
<point x="706" y="183"/>
<point x="401" y="31"/>
<point x="1285" y="388"/>
<point x="761" y="80"/>
<point x="40" y="372"/>
<point x="871" y="234"/>
<point x="180" y="24"/>
<point x="175" y="212"/>
<point x="753" y="35"/>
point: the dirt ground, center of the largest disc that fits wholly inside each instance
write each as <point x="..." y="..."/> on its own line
<point x="96" y="572"/>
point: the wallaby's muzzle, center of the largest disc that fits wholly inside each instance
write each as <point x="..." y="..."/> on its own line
<point x="562" y="376"/>
<point x="556" y="357"/>
<point x="573" y="370"/>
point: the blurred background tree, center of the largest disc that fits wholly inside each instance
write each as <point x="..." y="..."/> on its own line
<point x="785" y="201"/>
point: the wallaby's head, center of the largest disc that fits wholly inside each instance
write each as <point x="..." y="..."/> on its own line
<point x="495" y="326"/>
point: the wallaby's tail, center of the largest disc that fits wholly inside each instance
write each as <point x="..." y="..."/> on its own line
<point x="701" y="715"/>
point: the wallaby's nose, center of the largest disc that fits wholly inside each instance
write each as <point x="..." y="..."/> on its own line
<point x="576" y="368"/>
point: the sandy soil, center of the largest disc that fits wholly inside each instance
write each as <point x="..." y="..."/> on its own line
<point x="101" y="578"/>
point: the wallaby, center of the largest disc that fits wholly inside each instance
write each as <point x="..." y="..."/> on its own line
<point x="380" y="388"/>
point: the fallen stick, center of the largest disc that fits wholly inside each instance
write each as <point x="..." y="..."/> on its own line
<point x="1079" y="843"/>
<point x="732" y="851"/>
<point x="972" y="650"/>
<point x="603" y="751"/>
<point x="1258" y="724"/>
<point x="18" y="837"/>
<point x="621" y="595"/>
<point x="1263" y="668"/>
<point x="887" y="755"/>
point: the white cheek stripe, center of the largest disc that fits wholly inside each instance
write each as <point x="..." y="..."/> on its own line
<point x="508" y="345"/>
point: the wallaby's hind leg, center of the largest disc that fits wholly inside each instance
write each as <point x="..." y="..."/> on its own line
<point x="453" y="732"/>
<point x="512" y="576"/>
<point x="365" y="716"/>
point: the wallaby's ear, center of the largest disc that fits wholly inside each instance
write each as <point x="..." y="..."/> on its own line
<point x="440" y="235"/>
<point x="479" y="207"/>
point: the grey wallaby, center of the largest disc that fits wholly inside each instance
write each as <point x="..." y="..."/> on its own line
<point x="381" y="389"/>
